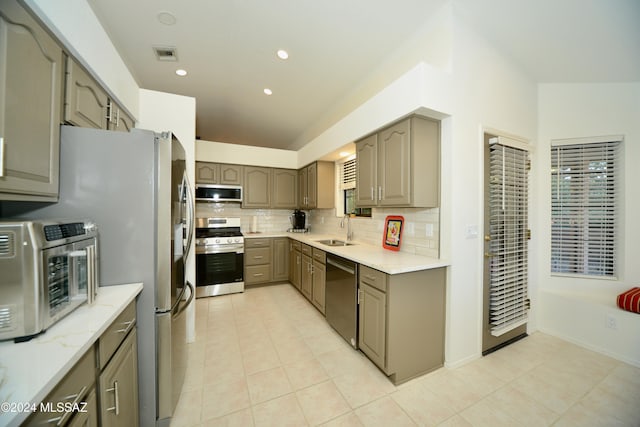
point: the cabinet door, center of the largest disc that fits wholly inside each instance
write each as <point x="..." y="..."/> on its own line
<point x="119" y="386"/>
<point x="118" y="119"/>
<point x="31" y="64"/>
<point x="367" y="171"/>
<point x="280" y="263"/>
<point x="207" y="173"/>
<point x="394" y="168"/>
<point x="230" y="174"/>
<point x="306" y="285"/>
<point x="296" y="280"/>
<point x="312" y="186"/>
<point x="372" y="324"/>
<point x="285" y="189"/>
<point x="89" y="417"/>
<point x="85" y="103"/>
<point x="302" y="188"/>
<point x="319" y="273"/>
<point x="257" y="186"/>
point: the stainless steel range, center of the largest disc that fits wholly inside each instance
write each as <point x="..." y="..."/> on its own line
<point x="219" y="257"/>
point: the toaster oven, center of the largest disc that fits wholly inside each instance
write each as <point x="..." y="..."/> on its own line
<point x="49" y="268"/>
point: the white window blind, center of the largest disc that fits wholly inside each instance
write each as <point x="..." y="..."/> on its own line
<point x="584" y="205"/>
<point x="348" y="174"/>
<point x="508" y="237"/>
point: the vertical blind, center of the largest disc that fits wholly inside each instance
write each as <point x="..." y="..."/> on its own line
<point x="584" y="205"/>
<point x="348" y="174"/>
<point x="508" y="235"/>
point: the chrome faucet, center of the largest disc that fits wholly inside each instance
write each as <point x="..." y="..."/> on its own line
<point x="349" y="232"/>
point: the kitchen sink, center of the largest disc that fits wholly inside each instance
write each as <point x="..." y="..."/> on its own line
<point x="334" y="242"/>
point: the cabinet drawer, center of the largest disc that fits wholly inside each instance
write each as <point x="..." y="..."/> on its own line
<point x="257" y="274"/>
<point x="113" y="336"/>
<point x="73" y="388"/>
<point x="319" y="255"/>
<point x="374" y="278"/>
<point x="295" y="245"/>
<point x="306" y="249"/>
<point x="257" y="256"/>
<point x="257" y="243"/>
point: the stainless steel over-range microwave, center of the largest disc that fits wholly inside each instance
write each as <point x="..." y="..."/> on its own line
<point x="49" y="268"/>
<point x="218" y="193"/>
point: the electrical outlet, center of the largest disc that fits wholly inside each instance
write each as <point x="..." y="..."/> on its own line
<point x="612" y="323"/>
<point x="429" y="229"/>
<point x="321" y="220"/>
<point x="411" y="229"/>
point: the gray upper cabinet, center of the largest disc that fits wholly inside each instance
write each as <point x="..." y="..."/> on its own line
<point x="317" y="186"/>
<point x="31" y="66"/>
<point x="118" y="119"/>
<point x="257" y="187"/>
<point x="218" y="173"/>
<point x="285" y="188"/>
<point x="85" y="102"/>
<point x="400" y="165"/>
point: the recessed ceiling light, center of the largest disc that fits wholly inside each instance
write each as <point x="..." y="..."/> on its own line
<point x="283" y="54"/>
<point x="166" y="18"/>
<point x="181" y="72"/>
<point x="267" y="91"/>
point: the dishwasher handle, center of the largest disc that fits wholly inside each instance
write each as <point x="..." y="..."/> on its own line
<point x="341" y="266"/>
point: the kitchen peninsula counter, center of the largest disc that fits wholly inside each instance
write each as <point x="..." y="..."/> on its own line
<point x="30" y="370"/>
<point x="376" y="257"/>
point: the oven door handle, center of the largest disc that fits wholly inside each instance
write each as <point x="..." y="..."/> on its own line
<point x="226" y="250"/>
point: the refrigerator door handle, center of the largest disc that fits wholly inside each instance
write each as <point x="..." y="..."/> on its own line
<point x="192" y="293"/>
<point x="190" y="214"/>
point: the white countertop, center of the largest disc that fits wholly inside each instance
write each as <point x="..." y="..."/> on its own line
<point x="30" y="370"/>
<point x="390" y="262"/>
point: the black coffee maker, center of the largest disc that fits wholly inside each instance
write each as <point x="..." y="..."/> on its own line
<point x="298" y="220"/>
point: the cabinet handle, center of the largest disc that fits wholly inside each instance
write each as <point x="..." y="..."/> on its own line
<point x="380" y="193"/>
<point x="372" y="278"/>
<point x="114" y="389"/>
<point x="76" y="397"/>
<point x="372" y="193"/>
<point x="258" y="257"/>
<point x="126" y="330"/>
<point x="258" y="274"/>
<point x="1" y="157"/>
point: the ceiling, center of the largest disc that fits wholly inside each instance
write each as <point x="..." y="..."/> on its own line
<point x="228" y="48"/>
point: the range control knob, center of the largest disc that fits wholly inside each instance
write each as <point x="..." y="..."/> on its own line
<point x="229" y="240"/>
<point x="217" y="240"/>
<point x="237" y="240"/>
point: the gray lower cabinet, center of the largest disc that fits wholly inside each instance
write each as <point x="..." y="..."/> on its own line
<point x="119" y="386"/>
<point x="295" y="263"/>
<point x="31" y="80"/>
<point x="306" y="277"/>
<point x="105" y="378"/>
<point x="257" y="261"/>
<point x="280" y="259"/>
<point x="401" y="321"/>
<point x="318" y="278"/>
<point x="85" y="102"/>
<point x="266" y="260"/>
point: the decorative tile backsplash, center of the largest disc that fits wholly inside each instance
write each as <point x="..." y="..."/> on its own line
<point x="421" y="234"/>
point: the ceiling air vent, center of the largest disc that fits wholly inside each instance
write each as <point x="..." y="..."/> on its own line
<point x="166" y="53"/>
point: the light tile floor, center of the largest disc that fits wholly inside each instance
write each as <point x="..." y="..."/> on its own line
<point x="267" y="357"/>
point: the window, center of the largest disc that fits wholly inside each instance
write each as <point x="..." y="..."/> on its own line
<point x="348" y="189"/>
<point x="585" y="176"/>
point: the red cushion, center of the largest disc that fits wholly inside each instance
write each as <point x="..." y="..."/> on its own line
<point x="630" y="300"/>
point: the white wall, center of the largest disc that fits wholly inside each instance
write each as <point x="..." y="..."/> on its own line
<point x="209" y="151"/>
<point x="576" y="309"/>
<point x="160" y="112"/>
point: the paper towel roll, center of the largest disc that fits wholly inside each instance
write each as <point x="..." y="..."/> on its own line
<point x="254" y="224"/>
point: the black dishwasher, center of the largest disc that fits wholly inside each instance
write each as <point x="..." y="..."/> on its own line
<point x="341" y="297"/>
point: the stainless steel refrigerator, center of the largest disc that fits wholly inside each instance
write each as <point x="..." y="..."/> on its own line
<point x="133" y="185"/>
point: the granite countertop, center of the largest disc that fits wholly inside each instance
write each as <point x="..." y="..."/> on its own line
<point x="376" y="257"/>
<point x="30" y="370"/>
